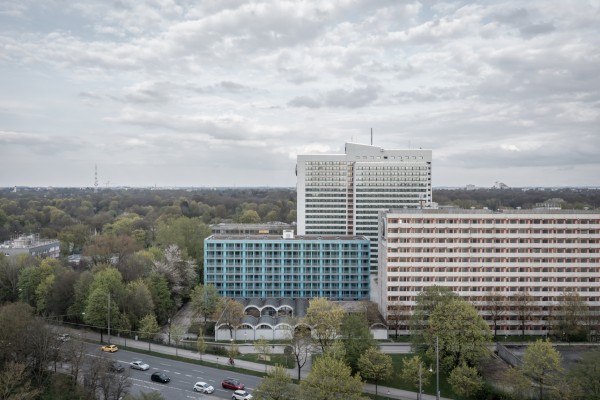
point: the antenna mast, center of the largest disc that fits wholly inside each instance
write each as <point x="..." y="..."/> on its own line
<point x="371" y="136"/>
<point x="95" y="177"/>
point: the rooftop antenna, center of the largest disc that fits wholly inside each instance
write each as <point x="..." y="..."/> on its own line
<point x="371" y="136"/>
<point x="95" y="177"/>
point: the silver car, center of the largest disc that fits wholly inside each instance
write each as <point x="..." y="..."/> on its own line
<point x="142" y="366"/>
<point x="203" y="387"/>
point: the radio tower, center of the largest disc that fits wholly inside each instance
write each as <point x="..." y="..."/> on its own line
<point x="95" y="177"/>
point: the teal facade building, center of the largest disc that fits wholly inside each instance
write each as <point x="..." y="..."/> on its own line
<point x="269" y="266"/>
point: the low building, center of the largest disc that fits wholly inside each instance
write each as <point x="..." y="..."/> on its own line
<point x="542" y="253"/>
<point x="267" y="228"/>
<point x="32" y="245"/>
<point x="288" y="266"/>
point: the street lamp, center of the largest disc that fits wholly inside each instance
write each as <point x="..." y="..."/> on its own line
<point x="420" y="390"/>
<point x="437" y="369"/>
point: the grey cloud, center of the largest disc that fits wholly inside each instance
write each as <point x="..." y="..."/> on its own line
<point x="338" y="98"/>
<point x="532" y="30"/>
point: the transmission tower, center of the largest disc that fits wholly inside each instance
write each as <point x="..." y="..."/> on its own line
<point x="95" y="177"/>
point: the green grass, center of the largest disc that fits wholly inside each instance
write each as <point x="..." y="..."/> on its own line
<point x="274" y="359"/>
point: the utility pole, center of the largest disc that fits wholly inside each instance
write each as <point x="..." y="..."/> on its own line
<point x="108" y="325"/>
<point x="437" y="369"/>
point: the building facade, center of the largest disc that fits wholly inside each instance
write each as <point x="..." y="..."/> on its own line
<point x="267" y="228"/>
<point x="288" y="266"/>
<point x="541" y="254"/>
<point x="32" y="245"/>
<point x="340" y="194"/>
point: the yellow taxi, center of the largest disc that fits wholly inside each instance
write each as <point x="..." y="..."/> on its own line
<point x="111" y="348"/>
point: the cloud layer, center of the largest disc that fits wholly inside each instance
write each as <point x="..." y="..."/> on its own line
<point x="227" y="92"/>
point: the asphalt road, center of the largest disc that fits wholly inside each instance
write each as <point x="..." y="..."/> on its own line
<point x="183" y="376"/>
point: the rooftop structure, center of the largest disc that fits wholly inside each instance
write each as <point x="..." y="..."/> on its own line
<point x="33" y="245"/>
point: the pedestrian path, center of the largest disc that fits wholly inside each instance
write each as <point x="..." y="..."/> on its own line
<point x="220" y="361"/>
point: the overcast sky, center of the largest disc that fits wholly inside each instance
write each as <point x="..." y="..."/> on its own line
<point x="227" y="93"/>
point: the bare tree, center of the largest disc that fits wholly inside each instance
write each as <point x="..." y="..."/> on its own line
<point x="572" y="316"/>
<point x="495" y="303"/>
<point x="398" y="315"/>
<point x="299" y="342"/>
<point x="523" y="306"/>
<point x="113" y="386"/>
<point x="74" y="352"/>
<point x="231" y="313"/>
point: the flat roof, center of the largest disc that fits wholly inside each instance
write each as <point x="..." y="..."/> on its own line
<point x="281" y="238"/>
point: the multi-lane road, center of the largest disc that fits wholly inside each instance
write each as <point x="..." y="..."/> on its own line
<point x="183" y="376"/>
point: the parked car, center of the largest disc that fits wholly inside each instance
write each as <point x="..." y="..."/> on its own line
<point x="142" y="366"/>
<point x="241" y="395"/>
<point x="203" y="387"/>
<point x="160" y="377"/>
<point x="116" y="367"/>
<point x="111" y="348"/>
<point x="64" y="337"/>
<point x="233" y="384"/>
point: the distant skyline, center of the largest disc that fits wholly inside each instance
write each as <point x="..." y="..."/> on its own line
<point x="226" y="93"/>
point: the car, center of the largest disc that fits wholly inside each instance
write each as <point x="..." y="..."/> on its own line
<point x="233" y="384"/>
<point x="64" y="337"/>
<point x="241" y="395"/>
<point x="203" y="387"/>
<point x="111" y="348"/>
<point x="160" y="377"/>
<point x="116" y="367"/>
<point x="142" y="366"/>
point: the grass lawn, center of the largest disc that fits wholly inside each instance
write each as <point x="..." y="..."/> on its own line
<point x="274" y="359"/>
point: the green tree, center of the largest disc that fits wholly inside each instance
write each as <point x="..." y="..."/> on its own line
<point x="572" y="315"/>
<point x="585" y="376"/>
<point x="154" y="395"/>
<point x="176" y="333"/>
<point x="263" y="348"/>
<point x="375" y="366"/>
<point x="230" y="313"/>
<point x="10" y="268"/>
<point x="205" y="300"/>
<point x="187" y="233"/>
<point x="462" y="334"/>
<point x="149" y="327"/>
<point x="412" y="368"/>
<point x="277" y="385"/>
<point x="425" y="303"/>
<point x="325" y="318"/>
<point x="331" y="379"/>
<point x="356" y="338"/>
<point x="179" y="272"/>
<point x="249" y="217"/>
<point x="201" y="345"/>
<point x="542" y="363"/>
<point x="466" y="381"/>
<point x="138" y="302"/>
<point x="161" y="296"/>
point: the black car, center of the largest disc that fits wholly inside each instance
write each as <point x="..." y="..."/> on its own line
<point x="116" y="367"/>
<point x="160" y="377"/>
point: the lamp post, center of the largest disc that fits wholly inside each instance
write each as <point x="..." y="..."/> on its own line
<point x="108" y="320"/>
<point x="437" y="369"/>
<point x="420" y="390"/>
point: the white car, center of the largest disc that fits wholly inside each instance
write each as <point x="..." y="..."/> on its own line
<point x="241" y="395"/>
<point x="142" y="366"/>
<point x="203" y="387"/>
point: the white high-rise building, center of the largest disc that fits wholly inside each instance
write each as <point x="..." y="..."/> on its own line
<point x="340" y="194"/>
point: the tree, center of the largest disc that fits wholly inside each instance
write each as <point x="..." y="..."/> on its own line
<point x="572" y="316"/>
<point x="138" y="301"/>
<point x="155" y="395"/>
<point x="523" y="306"/>
<point x="161" y="296"/>
<point x="187" y="233"/>
<point x="180" y="273"/>
<point x="15" y="383"/>
<point x="462" y="334"/>
<point x="585" y="376"/>
<point x="398" y="315"/>
<point x="375" y="366"/>
<point x="324" y="317"/>
<point x="249" y="217"/>
<point x="176" y="333"/>
<point x="201" y="345"/>
<point x="263" y="348"/>
<point x="230" y="313"/>
<point x="356" y="338"/>
<point x="205" y="300"/>
<point x="10" y="269"/>
<point x="277" y="385"/>
<point x="331" y="379"/>
<point x="149" y="327"/>
<point x="413" y="372"/>
<point x="425" y="303"/>
<point x="496" y="307"/>
<point x="113" y="386"/>
<point x="541" y="362"/>
<point x="466" y="381"/>
<point x="298" y="338"/>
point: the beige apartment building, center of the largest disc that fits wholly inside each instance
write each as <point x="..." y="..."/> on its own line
<point x="541" y="252"/>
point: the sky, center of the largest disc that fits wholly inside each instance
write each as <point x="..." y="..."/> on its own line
<point x="227" y="93"/>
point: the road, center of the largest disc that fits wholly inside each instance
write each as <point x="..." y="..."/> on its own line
<point x="183" y="376"/>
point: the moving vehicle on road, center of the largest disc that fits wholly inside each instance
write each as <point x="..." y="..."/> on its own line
<point x="241" y="395"/>
<point x="142" y="366"/>
<point x="160" y="377"/>
<point x="203" y="387"/>
<point x="111" y="348"/>
<point x="233" y="384"/>
<point x="116" y="367"/>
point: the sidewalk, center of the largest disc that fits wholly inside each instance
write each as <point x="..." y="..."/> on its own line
<point x="219" y="361"/>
